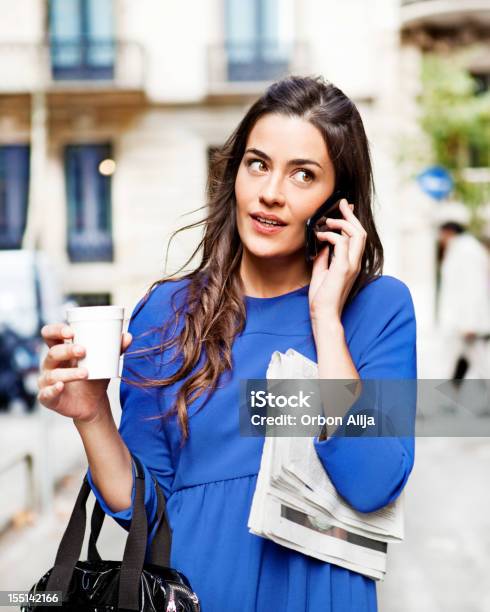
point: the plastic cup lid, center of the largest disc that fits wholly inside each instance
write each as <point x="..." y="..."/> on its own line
<point x="94" y="313"/>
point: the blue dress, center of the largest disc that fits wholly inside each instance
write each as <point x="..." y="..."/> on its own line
<point x="210" y="482"/>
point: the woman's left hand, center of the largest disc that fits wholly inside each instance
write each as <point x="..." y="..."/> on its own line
<point x="330" y="286"/>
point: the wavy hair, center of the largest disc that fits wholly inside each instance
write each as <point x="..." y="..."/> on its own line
<point x="214" y="311"/>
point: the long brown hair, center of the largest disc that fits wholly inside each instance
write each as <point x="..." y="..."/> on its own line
<point x="214" y="310"/>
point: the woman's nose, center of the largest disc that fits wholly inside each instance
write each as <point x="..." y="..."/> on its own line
<point x="271" y="192"/>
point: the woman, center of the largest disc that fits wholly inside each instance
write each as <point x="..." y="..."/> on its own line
<point x="253" y="293"/>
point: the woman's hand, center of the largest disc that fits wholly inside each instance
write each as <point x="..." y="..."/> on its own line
<point x="62" y="384"/>
<point x="330" y="286"/>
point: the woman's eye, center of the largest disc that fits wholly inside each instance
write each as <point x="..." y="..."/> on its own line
<point x="306" y="176"/>
<point x="256" y="164"/>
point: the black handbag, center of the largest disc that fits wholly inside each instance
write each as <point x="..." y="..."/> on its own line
<point x="106" y="586"/>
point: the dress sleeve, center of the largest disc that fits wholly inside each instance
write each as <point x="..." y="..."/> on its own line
<point x="371" y="472"/>
<point x="144" y="438"/>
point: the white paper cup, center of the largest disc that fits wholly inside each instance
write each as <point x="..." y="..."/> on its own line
<point x="99" y="330"/>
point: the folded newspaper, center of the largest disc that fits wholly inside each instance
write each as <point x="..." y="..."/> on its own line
<point x="296" y="505"/>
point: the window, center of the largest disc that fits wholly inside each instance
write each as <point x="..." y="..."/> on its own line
<point x="14" y="184"/>
<point x="89" y="202"/>
<point x="259" y="36"/>
<point x="81" y="39"/>
<point x="482" y="82"/>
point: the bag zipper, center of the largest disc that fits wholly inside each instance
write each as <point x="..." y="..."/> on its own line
<point x="171" y="607"/>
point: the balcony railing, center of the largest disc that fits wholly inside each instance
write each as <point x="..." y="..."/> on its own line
<point x="244" y="67"/>
<point x="115" y="64"/>
<point x="82" y="59"/>
<point x="444" y="13"/>
<point x="90" y="247"/>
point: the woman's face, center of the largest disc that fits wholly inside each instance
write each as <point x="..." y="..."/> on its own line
<point x="285" y="172"/>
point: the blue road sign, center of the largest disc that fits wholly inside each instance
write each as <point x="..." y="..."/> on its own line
<point x="436" y="182"/>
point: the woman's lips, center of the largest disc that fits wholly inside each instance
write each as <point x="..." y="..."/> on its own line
<point x="262" y="228"/>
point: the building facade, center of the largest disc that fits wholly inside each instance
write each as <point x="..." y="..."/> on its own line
<point x="108" y="109"/>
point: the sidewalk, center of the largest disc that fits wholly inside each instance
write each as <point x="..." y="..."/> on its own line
<point x="442" y="566"/>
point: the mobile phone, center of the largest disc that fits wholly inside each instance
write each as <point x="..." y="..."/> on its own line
<point x="330" y="208"/>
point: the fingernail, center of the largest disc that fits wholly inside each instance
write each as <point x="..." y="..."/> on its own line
<point x="78" y="351"/>
<point x="66" y="331"/>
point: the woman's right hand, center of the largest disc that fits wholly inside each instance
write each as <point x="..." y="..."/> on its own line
<point x="62" y="384"/>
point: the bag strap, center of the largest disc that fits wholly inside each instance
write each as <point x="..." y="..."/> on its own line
<point x="98" y="516"/>
<point x="135" y="549"/>
<point x="70" y="547"/>
<point x="161" y="542"/>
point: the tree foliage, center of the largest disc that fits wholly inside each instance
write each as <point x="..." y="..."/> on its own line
<point x="455" y="116"/>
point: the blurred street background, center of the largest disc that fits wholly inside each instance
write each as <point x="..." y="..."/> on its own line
<point x="110" y="111"/>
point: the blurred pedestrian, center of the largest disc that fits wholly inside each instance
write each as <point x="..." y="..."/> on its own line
<point x="464" y="303"/>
